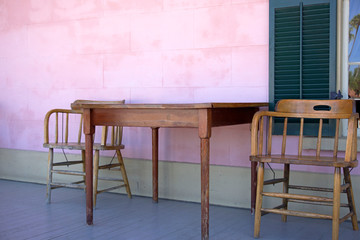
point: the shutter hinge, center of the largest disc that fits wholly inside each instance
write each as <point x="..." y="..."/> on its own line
<point x="334" y="95"/>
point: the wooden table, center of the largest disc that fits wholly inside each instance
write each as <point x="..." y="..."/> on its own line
<point x="203" y="116"/>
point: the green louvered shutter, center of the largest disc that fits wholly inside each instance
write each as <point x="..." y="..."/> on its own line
<point x="302" y="54"/>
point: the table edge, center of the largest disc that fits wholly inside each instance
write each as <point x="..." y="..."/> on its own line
<point x="76" y="105"/>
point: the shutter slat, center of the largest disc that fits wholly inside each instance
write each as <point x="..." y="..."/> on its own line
<point x="287" y="55"/>
<point x="316" y="46"/>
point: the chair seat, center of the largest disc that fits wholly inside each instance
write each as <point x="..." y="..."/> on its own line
<point x="304" y="160"/>
<point x="81" y="146"/>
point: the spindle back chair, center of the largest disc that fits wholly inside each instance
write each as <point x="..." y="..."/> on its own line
<point x="60" y="133"/>
<point x="322" y="111"/>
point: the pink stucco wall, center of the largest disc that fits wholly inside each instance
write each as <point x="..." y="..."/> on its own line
<point x="53" y="52"/>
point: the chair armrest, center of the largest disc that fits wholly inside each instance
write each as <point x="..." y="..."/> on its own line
<point x="351" y="138"/>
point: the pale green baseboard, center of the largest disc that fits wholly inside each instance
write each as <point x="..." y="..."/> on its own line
<point x="229" y="186"/>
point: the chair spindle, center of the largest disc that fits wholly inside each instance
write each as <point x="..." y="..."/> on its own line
<point x="269" y="142"/>
<point x="80" y="129"/>
<point x="261" y="137"/>
<point x="119" y="134"/>
<point x="336" y="137"/>
<point x="67" y="128"/>
<point x="301" y="135"/>
<point x="104" y="135"/>
<point x="284" y="137"/>
<point x="112" y="135"/>
<point x="318" y="145"/>
<point x="57" y="128"/>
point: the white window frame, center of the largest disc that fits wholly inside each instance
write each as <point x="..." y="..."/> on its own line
<point x="343" y="51"/>
<point x="342" y="81"/>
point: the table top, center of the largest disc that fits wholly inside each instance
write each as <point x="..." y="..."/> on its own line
<point x="79" y="104"/>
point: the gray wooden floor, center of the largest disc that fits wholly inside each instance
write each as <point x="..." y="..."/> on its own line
<point x="25" y="215"/>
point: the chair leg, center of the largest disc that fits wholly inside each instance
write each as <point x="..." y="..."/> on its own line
<point x="96" y="173"/>
<point x="49" y="177"/>
<point x="336" y="204"/>
<point x="253" y="186"/>
<point x="258" y="204"/>
<point x="351" y="200"/>
<point x="286" y="189"/>
<point x="123" y="172"/>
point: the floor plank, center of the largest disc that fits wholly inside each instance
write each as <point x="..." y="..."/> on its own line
<point x="24" y="214"/>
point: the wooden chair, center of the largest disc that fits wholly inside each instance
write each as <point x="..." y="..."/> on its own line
<point x="63" y="122"/>
<point x="302" y="110"/>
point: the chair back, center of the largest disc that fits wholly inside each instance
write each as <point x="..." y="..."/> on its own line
<point x="61" y="122"/>
<point x="67" y="125"/>
<point x="307" y="109"/>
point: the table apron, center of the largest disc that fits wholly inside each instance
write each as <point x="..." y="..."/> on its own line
<point x="170" y="117"/>
<point x="232" y="116"/>
<point x="145" y="117"/>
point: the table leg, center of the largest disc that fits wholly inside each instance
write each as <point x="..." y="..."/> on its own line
<point x="155" y="161"/>
<point x="205" y="188"/>
<point x="89" y="178"/>
<point x="205" y="134"/>
<point x="89" y="131"/>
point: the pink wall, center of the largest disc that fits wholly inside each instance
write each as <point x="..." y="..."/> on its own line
<point x="53" y="52"/>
